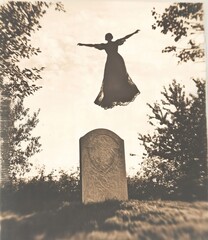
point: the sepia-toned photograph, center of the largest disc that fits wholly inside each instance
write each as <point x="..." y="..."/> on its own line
<point x="103" y="125"/>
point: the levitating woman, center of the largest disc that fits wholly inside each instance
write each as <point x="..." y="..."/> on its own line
<point x="117" y="87"/>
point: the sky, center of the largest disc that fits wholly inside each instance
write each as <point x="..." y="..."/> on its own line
<point x="73" y="75"/>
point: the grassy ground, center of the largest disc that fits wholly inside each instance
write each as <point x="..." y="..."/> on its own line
<point x="145" y="220"/>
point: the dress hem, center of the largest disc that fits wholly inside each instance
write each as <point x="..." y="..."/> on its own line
<point x="118" y="103"/>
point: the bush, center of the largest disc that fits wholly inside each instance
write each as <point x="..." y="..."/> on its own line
<point x="42" y="191"/>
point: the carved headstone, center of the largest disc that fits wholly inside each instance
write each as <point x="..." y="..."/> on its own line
<point x="102" y="165"/>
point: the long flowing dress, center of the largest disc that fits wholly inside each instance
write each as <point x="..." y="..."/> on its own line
<point x="117" y="87"/>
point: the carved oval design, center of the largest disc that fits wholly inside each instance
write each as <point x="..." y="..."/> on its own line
<point x="102" y="150"/>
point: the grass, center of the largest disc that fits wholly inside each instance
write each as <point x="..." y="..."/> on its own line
<point x="145" y="220"/>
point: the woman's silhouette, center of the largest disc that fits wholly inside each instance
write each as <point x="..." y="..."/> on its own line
<point x="117" y="87"/>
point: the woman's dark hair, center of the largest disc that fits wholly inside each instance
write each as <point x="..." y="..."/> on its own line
<point x="108" y="36"/>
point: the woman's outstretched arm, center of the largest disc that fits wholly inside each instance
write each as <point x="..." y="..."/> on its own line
<point x="129" y="35"/>
<point x="97" y="46"/>
<point x="86" y="45"/>
<point x="120" y="41"/>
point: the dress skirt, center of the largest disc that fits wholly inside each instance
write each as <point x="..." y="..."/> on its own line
<point x="117" y="87"/>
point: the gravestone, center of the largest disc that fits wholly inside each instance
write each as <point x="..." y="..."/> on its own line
<point x="102" y="165"/>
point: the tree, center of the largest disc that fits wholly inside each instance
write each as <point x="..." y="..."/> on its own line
<point x="180" y="137"/>
<point x="18" y="20"/>
<point x="183" y="20"/>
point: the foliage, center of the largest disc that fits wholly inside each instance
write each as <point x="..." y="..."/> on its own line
<point x="182" y="20"/>
<point x="155" y="180"/>
<point x="42" y="191"/>
<point x="180" y="121"/>
<point x="18" y="20"/>
<point x="180" y="137"/>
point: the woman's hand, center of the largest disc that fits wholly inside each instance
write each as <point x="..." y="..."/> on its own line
<point x="137" y="31"/>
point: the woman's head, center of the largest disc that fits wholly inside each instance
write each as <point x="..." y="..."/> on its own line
<point x="108" y="37"/>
